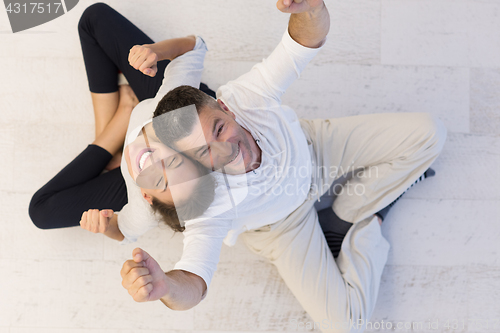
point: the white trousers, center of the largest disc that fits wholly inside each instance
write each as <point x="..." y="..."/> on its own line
<point x="394" y="149"/>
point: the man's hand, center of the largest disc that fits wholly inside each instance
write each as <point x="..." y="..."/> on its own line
<point x="309" y="21"/>
<point x="298" y="6"/>
<point x="96" y="221"/>
<point x="143" y="277"/>
<point x="144" y="59"/>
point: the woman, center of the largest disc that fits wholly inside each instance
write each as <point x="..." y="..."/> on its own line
<point x="81" y="193"/>
<point x="184" y="188"/>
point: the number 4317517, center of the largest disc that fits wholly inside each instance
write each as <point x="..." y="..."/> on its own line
<point x="33" y="8"/>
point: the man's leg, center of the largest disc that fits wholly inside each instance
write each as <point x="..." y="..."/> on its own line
<point x="335" y="229"/>
<point x="394" y="149"/>
<point x="336" y="294"/>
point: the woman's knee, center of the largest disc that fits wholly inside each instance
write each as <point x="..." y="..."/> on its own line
<point x="92" y="13"/>
<point x="37" y="212"/>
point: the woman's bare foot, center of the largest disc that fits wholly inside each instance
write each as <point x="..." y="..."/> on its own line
<point x="115" y="161"/>
<point x="128" y="100"/>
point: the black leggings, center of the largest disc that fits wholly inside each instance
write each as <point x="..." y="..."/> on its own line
<point x="106" y="38"/>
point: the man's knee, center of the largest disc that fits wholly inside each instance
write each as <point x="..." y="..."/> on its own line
<point x="436" y="131"/>
<point x="92" y="13"/>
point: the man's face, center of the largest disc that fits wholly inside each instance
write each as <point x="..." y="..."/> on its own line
<point x="218" y="141"/>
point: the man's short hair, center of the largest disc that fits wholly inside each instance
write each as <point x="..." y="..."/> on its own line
<point x="172" y="127"/>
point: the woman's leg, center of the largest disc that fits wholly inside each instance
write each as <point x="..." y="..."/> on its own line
<point x="106" y="38"/>
<point x="113" y="137"/>
<point x="76" y="188"/>
<point x="105" y="106"/>
<point x="81" y="186"/>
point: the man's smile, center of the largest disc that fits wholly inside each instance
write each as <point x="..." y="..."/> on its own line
<point x="236" y="155"/>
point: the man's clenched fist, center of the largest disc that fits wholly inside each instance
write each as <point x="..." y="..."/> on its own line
<point x="143" y="277"/>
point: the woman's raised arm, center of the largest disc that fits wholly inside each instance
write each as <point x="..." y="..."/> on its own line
<point x="145" y="57"/>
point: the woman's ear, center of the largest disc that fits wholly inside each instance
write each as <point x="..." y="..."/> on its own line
<point x="147" y="196"/>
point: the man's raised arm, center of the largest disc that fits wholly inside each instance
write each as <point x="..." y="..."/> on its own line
<point x="309" y="23"/>
<point x="307" y="29"/>
<point x="145" y="281"/>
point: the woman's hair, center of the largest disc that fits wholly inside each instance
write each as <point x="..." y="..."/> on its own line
<point x="168" y="214"/>
<point x="197" y="204"/>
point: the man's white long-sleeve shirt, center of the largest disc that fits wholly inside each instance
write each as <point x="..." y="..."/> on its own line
<point x="282" y="181"/>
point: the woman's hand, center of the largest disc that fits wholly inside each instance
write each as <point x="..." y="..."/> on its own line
<point x="298" y="6"/>
<point x="96" y="221"/>
<point x="143" y="277"/>
<point x="144" y="59"/>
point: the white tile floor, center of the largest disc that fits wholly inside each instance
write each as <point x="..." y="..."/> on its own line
<point x="438" y="56"/>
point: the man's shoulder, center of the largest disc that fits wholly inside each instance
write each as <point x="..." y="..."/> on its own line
<point x="243" y="96"/>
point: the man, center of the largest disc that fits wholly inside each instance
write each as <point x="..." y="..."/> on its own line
<point x="287" y="165"/>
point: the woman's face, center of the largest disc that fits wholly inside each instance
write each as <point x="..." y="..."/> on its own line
<point x="159" y="170"/>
